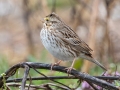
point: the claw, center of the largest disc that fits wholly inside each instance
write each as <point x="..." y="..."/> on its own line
<point x="55" y="64"/>
<point x="52" y="65"/>
<point x="69" y="70"/>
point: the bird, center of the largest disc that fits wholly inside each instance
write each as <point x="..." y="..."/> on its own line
<point x="63" y="43"/>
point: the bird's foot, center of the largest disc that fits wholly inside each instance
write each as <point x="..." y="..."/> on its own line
<point x="69" y="70"/>
<point x="55" y="64"/>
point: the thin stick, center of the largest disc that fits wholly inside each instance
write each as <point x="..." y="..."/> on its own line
<point x="25" y="77"/>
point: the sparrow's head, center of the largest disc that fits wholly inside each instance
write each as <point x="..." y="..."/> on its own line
<point x="53" y="18"/>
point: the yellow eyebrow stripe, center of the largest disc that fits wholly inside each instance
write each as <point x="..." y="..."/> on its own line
<point x="46" y="18"/>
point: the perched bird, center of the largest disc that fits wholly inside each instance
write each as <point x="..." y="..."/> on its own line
<point x="63" y="43"/>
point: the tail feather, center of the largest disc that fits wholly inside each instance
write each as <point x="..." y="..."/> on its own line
<point x="95" y="61"/>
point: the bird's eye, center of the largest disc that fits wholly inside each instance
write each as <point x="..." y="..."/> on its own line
<point x="51" y="15"/>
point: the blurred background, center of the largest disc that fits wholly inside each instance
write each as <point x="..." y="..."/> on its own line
<point x="97" y="22"/>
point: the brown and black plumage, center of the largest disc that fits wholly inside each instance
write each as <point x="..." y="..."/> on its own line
<point x="63" y="43"/>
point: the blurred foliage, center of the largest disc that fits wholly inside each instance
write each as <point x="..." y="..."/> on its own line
<point x="20" y="72"/>
<point x="20" y="24"/>
<point x="20" y="27"/>
<point x="3" y="64"/>
<point x="59" y="3"/>
<point x="72" y="82"/>
<point x="78" y="64"/>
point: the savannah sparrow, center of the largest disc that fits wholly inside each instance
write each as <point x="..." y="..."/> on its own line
<point x="63" y="43"/>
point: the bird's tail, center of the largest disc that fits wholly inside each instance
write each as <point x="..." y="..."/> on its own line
<point x="94" y="61"/>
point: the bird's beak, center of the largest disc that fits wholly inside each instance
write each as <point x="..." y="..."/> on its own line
<point x="46" y="18"/>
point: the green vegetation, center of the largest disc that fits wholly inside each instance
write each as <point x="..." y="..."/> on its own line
<point x="72" y="82"/>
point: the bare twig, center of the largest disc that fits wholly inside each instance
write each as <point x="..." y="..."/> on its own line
<point x="43" y="86"/>
<point x="49" y="78"/>
<point x="25" y="77"/>
<point x="29" y="80"/>
<point x="92" y="85"/>
<point x="79" y="82"/>
<point x="63" y="77"/>
<point x="63" y="88"/>
<point x="27" y="85"/>
<point x="75" y="73"/>
<point x="47" y="86"/>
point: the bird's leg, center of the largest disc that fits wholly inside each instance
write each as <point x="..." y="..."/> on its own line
<point x="71" y="67"/>
<point x="55" y="64"/>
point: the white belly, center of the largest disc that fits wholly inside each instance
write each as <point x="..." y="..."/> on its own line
<point x="55" y="49"/>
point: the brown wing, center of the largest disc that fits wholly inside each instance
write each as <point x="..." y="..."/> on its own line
<point x="70" y="37"/>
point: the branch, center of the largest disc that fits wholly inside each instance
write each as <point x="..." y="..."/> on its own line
<point x="63" y="77"/>
<point x="32" y="86"/>
<point x="25" y="77"/>
<point x="44" y="86"/>
<point x="75" y="73"/>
